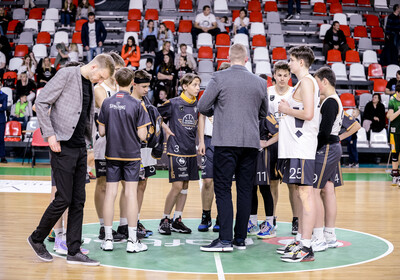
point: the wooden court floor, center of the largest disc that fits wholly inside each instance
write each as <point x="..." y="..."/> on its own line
<point x="366" y="206"/>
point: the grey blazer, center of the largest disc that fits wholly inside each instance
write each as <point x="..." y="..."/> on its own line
<point x="63" y="94"/>
<point x="236" y="98"/>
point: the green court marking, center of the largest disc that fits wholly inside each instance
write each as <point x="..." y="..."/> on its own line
<point x="25" y="171"/>
<point x="366" y="177"/>
<point x="181" y="253"/>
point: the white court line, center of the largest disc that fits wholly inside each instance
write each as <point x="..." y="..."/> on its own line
<point x="218" y="264"/>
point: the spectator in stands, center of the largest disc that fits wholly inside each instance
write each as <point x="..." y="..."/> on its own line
<point x="290" y="9"/>
<point x="391" y="85"/>
<point x="181" y="71"/>
<point x="191" y="62"/>
<point x="393" y="25"/>
<point x="352" y="143"/>
<point x="390" y="53"/>
<point x="241" y="23"/>
<point x="93" y="36"/>
<point x="335" y="39"/>
<point x="131" y="53"/>
<point x="166" y="49"/>
<point x="204" y="22"/>
<point x="166" y="75"/>
<point x="163" y="97"/>
<point x="150" y="38"/>
<point x="29" y="66"/>
<point x="4" y="20"/>
<point x="5" y="47"/>
<point x="25" y="86"/>
<point x="62" y="56"/>
<point x="21" y="111"/>
<point x="28" y="3"/>
<point x="67" y="13"/>
<point x="73" y="54"/>
<point x="150" y="69"/>
<point x="222" y="23"/>
<point x="374" y="117"/>
<point x="164" y="35"/>
<point x="3" y="62"/>
<point x="45" y="72"/>
<point x="3" y="119"/>
<point x="84" y="8"/>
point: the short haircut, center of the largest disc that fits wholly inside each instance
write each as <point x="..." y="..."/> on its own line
<point x="91" y="14"/>
<point x="395" y="6"/>
<point x="379" y="96"/>
<point x="73" y="64"/>
<point x="149" y="59"/>
<point x="304" y="53"/>
<point x="244" y="10"/>
<point x="188" y="78"/>
<point x="182" y="45"/>
<point x="237" y="52"/>
<point x="333" y="23"/>
<point x="205" y="7"/>
<point x="104" y="61"/>
<point x="224" y="65"/>
<point x="281" y="65"/>
<point x="124" y="77"/>
<point x="142" y="74"/>
<point x="118" y="60"/>
<point x="397" y="88"/>
<point x="327" y="73"/>
<point x="398" y="72"/>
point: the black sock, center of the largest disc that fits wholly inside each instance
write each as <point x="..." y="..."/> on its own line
<point x="295" y="219"/>
<point x="268" y="200"/>
<point x="254" y="201"/>
<point x="207" y="213"/>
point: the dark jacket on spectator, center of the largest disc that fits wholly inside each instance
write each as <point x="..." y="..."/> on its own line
<point x="101" y="33"/>
<point x="329" y="38"/>
<point x="393" y="24"/>
<point x="24" y="90"/>
<point x="370" y="112"/>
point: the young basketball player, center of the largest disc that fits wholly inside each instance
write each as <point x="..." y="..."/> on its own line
<point x="393" y="116"/>
<point x="182" y="115"/>
<point x="124" y="120"/>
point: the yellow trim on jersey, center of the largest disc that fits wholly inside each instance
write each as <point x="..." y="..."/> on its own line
<point x="144" y="125"/>
<point x="302" y="171"/>
<point x="271" y="119"/>
<point x="187" y="99"/>
<point x="176" y="155"/>
<point x="275" y="135"/>
<point x="351" y="126"/>
<point x="144" y="106"/>
<point x="266" y="166"/>
<point x="123" y="159"/>
<point x="165" y="102"/>
<point x="100" y="123"/>
<point x="392" y="143"/>
<point x="323" y="166"/>
<point x="171" y="168"/>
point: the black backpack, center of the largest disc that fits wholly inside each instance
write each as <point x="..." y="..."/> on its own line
<point x="155" y="133"/>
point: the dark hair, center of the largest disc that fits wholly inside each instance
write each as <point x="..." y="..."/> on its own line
<point x="184" y="58"/>
<point x="149" y="59"/>
<point x="84" y="5"/>
<point x="182" y="45"/>
<point x="244" y="10"/>
<point x="333" y="23"/>
<point x="133" y="43"/>
<point x="226" y="18"/>
<point x="397" y="88"/>
<point x="304" y="53"/>
<point x="90" y="14"/>
<point x="395" y="6"/>
<point x="398" y="72"/>
<point x="327" y="73"/>
<point x="188" y="78"/>
<point x="124" y="77"/>
<point x="281" y="65"/>
<point x="142" y="74"/>
<point x="379" y="97"/>
<point x="264" y="76"/>
<point x="205" y="7"/>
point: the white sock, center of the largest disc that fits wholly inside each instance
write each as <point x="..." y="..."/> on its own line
<point x="298" y="237"/>
<point x="123" y="221"/>
<point x="138" y="216"/>
<point x="108" y="232"/>
<point x="101" y="222"/>
<point x="329" y="233"/>
<point x="166" y="215"/>
<point x="253" y="219"/>
<point x="270" y="220"/>
<point x="58" y="231"/>
<point x="132" y="233"/>
<point x="177" y="214"/>
<point x="318" y="233"/>
<point x="306" y="243"/>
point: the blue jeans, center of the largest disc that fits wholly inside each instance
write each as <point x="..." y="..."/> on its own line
<point x="243" y="30"/>
<point x="91" y="51"/>
<point x="65" y="18"/>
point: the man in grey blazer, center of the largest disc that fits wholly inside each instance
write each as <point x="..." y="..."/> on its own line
<point x="236" y="98"/>
<point x="67" y="127"/>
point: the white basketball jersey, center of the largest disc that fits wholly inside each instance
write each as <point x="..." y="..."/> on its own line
<point x="274" y="99"/>
<point x="99" y="145"/>
<point x="208" y="126"/>
<point x="339" y="118"/>
<point x="298" y="138"/>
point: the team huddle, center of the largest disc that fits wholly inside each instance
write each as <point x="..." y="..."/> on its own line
<point x="299" y="144"/>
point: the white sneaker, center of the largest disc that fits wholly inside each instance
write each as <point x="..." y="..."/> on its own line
<point x="319" y="245"/>
<point x="332" y="243"/>
<point x="107" y="245"/>
<point x="135" y="247"/>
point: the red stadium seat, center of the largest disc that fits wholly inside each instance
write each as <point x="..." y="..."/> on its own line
<point x="333" y="56"/>
<point x="259" y="41"/>
<point x="349" y="3"/>
<point x="220" y="62"/>
<point x="205" y="53"/>
<point x="170" y="25"/>
<point x="13" y="132"/>
<point x="254" y="6"/>
<point x="279" y="54"/>
<point x="335" y="8"/>
<point x="364" y="3"/>
<point x="78" y="24"/>
<point x="352" y="57"/>
<point x="185" y="6"/>
<point x="43" y="38"/>
<point x="37" y="143"/>
<point x="235" y="14"/>
<point x="256" y="17"/>
<point x="134" y="14"/>
<point x="151" y="14"/>
<point x="361" y="91"/>
<point x="346" y="30"/>
<point x="269" y="81"/>
<point x="377" y="34"/>
<point x="185" y="26"/>
<point x="133" y="26"/>
<point x="270" y="6"/>
<point x="372" y="21"/>
<point x="200" y="94"/>
<point x="11" y="27"/>
<point x="380" y="85"/>
<point x="222" y="53"/>
<point x="319" y="9"/>
<point x="222" y="39"/>
<point x="351" y="43"/>
<point x="77" y="38"/>
<point x="36" y="13"/>
<point x="348" y="100"/>
<point x="21" y="51"/>
<point x="375" y="71"/>
<point x="332" y="1"/>
<point x="360" y="32"/>
<point x="11" y="75"/>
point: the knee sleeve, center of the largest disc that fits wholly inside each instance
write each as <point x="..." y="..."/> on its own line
<point x="184" y="191"/>
<point x="395" y="157"/>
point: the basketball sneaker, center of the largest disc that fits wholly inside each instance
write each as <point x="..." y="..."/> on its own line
<point x="288" y="248"/>
<point x="141" y="226"/>
<point x="266" y="231"/>
<point x="299" y="254"/>
<point x="165" y="226"/>
<point x="295" y="225"/>
<point x="107" y="245"/>
<point x="252" y="229"/>
<point x="116" y="235"/>
<point x="332" y="243"/>
<point x="178" y="226"/>
<point x="319" y="245"/>
<point x="52" y="236"/>
<point x="216" y="226"/>
<point x="205" y="223"/>
<point x="123" y="230"/>
<point x="135" y="247"/>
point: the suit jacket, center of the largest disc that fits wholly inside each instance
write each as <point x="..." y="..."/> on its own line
<point x="63" y="95"/>
<point x="3" y="108"/>
<point x="101" y="33"/>
<point x="236" y="98"/>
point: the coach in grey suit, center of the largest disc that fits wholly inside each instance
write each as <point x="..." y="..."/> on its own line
<point x="236" y="98"/>
<point x="67" y="128"/>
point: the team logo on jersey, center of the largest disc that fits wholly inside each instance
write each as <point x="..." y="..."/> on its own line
<point x="181" y="108"/>
<point x="203" y="160"/>
<point x="117" y="106"/>
<point x="181" y="161"/>
<point x="272" y="98"/>
<point x="119" y="95"/>
<point x="188" y="121"/>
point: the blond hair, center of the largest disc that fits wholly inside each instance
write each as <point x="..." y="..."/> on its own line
<point x="237" y="53"/>
<point x="104" y="61"/>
